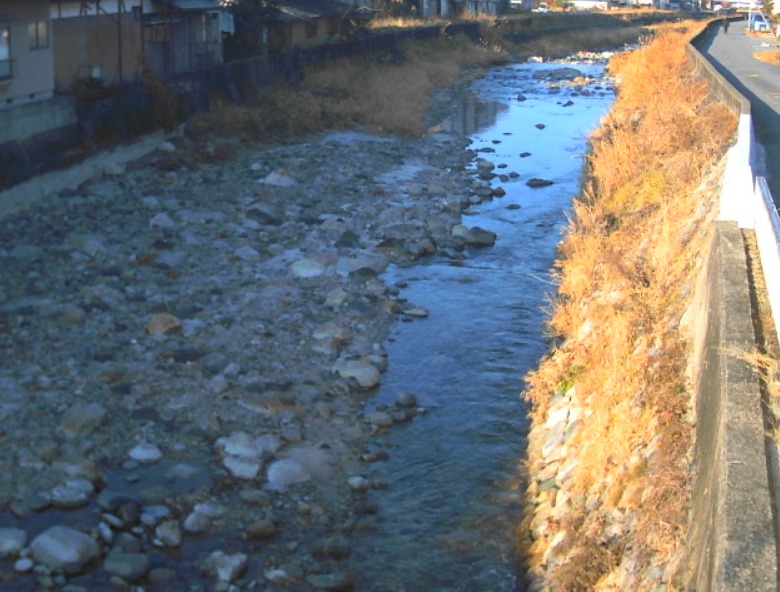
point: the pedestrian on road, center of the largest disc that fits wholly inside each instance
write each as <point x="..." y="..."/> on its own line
<point x="725" y="25"/>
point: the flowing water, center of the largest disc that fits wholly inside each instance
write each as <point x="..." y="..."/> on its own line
<point x="447" y="518"/>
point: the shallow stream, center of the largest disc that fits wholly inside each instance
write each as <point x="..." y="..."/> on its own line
<point x="453" y="499"/>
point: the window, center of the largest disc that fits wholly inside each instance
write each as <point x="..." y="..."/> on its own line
<point x="5" y="51"/>
<point x="38" y="32"/>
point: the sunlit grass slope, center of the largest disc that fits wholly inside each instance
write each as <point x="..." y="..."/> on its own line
<point x="626" y="272"/>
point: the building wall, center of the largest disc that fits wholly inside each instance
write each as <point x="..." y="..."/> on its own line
<point x="32" y="69"/>
<point x="89" y="47"/>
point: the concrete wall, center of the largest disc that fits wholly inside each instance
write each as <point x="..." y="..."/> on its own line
<point x="731" y="544"/>
<point x="31" y="119"/>
<point x="32" y="76"/>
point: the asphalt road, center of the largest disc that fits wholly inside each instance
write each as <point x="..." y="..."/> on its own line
<point x="732" y="54"/>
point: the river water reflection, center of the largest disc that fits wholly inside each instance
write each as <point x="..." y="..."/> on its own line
<point x="447" y="518"/>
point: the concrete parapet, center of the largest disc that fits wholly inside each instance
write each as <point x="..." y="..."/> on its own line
<point x="30" y="119"/>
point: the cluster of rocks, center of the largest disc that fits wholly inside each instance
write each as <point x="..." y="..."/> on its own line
<point x="187" y="343"/>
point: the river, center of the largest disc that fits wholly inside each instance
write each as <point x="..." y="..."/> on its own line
<point x="454" y="496"/>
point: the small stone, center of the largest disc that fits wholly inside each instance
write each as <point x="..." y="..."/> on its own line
<point x="242" y="467"/>
<point x="197" y="522"/>
<point x="11" y="541"/>
<point x="72" y="494"/>
<point x="534" y="183"/>
<point x="226" y="568"/>
<point x="307" y="268"/>
<point x="262" y="529"/>
<point x="405" y="400"/>
<point x="163" y="324"/>
<point x="169" y="533"/>
<point x="283" y="473"/>
<point x="64" y="547"/>
<point x="358" y="483"/>
<point x="146" y="453"/>
<point x="336" y="548"/>
<point x="154" y="514"/>
<point x="380" y="419"/>
<point x="82" y="419"/>
<point x="365" y="373"/>
<point x="247" y="253"/>
<point x="23" y="565"/>
<point x="540" y="126"/>
<point x="128" y="566"/>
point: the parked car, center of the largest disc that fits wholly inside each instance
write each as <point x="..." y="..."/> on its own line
<point x="757" y="22"/>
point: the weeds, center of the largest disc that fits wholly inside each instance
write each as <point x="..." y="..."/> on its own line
<point x="634" y="245"/>
<point x="374" y="92"/>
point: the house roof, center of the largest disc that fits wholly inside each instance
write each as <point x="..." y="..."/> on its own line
<point x="295" y="10"/>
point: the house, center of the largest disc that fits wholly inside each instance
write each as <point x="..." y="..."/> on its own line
<point x="28" y="107"/>
<point x="26" y="60"/>
<point x="303" y="24"/>
<point x="114" y="41"/>
<point x="182" y="36"/>
<point x="100" y="42"/>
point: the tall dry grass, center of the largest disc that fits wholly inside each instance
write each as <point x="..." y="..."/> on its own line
<point x="383" y="93"/>
<point x="626" y="271"/>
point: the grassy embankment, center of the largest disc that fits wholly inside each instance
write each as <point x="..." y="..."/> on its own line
<point x="626" y="272"/>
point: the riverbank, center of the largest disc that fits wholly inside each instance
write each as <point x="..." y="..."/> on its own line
<point x="614" y="406"/>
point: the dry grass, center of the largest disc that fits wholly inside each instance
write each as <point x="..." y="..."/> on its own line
<point x="625" y="271"/>
<point x="382" y="93"/>
<point x="768" y="57"/>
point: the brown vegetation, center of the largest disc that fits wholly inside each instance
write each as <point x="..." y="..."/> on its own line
<point x="626" y="271"/>
<point x="769" y="57"/>
<point x="379" y="92"/>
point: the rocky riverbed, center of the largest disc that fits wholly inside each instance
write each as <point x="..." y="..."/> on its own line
<point x="186" y="346"/>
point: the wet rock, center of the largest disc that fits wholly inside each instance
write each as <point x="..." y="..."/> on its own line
<point x="405" y="400"/>
<point x="12" y="541"/>
<point x="283" y="473"/>
<point x="535" y="182"/>
<point x="62" y="547"/>
<point x="475" y="236"/>
<point x="540" y="126"/>
<point x="566" y="73"/>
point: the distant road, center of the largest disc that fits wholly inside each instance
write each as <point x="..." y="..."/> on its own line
<point x="732" y="54"/>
